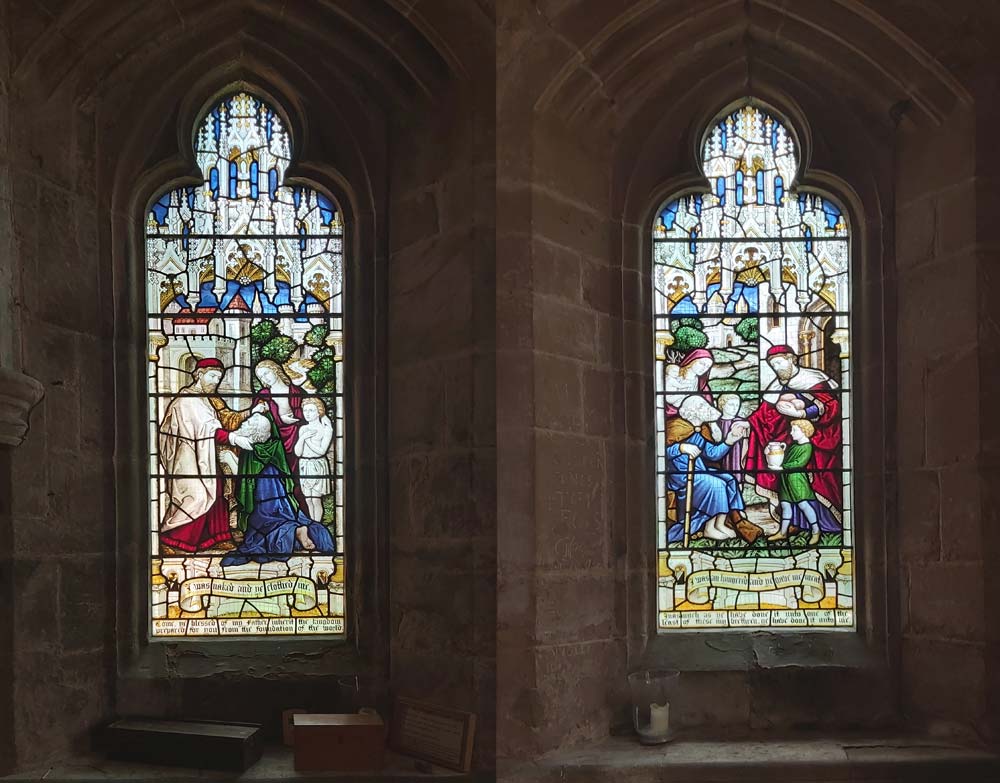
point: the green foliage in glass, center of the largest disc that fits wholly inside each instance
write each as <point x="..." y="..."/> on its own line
<point x="748" y="329"/>
<point x="323" y="373"/>
<point x="690" y="334"/>
<point x="316" y="337"/>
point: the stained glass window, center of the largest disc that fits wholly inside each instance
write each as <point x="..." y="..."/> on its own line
<point x="753" y="415"/>
<point x="245" y="295"/>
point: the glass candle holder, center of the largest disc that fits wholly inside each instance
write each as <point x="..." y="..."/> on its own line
<point x="651" y="695"/>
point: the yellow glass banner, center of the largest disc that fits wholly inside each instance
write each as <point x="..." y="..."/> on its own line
<point x="810" y="581"/>
<point x="193" y="590"/>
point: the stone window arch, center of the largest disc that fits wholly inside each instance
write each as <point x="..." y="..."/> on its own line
<point x="754" y="456"/>
<point x="245" y="306"/>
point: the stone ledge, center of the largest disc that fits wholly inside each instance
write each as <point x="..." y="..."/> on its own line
<point x="275" y="765"/>
<point x="748" y="651"/>
<point x="886" y="760"/>
<point x="19" y="393"/>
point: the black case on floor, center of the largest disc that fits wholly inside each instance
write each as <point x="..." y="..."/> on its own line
<point x="199" y="744"/>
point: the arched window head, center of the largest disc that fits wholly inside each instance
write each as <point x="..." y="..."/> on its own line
<point x="753" y="416"/>
<point x="245" y="293"/>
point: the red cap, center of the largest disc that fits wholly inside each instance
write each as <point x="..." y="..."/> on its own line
<point x="209" y="364"/>
<point x="776" y="350"/>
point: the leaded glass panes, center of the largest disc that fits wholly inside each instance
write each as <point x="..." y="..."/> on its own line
<point x="245" y="295"/>
<point x="753" y="393"/>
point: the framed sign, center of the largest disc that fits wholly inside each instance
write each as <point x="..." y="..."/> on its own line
<point x="440" y="735"/>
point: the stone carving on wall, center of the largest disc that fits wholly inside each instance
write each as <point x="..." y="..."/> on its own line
<point x="19" y="393"/>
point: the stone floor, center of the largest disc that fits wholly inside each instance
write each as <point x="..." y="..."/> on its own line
<point x="623" y="760"/>
<point x="276" y="764"/>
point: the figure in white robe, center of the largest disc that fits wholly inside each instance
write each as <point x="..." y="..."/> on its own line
<point x="194" y="426"/>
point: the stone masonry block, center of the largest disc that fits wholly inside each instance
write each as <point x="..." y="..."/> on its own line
<point x="597" y="397"/>
<point x="943" y="680"/>
<point x="601" y="287"/>
<point x="946" y="601"/>
<point x="558" y="394"/>
<point x="576" y="607"/>
<point x="951" y="411"/>
<point x="962" y="523"/>
<point x="568" y="223"/>
<point x="413" y="219"/>
<point x="570" y="505"/>
<point x="442" y="495"/>
<point x="565" y="330"/>
<point x="916" y="230"/>
<point x="920" y="515"/>
<point x="556" y="271"/>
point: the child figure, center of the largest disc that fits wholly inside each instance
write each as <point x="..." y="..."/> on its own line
<point x="730" y="405"/>
<point x="673" y="387"/>
<point x="315" y="437"/>
<point x="794" y="488"/>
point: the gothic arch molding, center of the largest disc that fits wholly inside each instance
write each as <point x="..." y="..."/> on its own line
<point x="396" y="62"/>
<point x="622" y="58"/>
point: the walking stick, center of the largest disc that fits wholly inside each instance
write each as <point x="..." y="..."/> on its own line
<point x="689" y="490"/>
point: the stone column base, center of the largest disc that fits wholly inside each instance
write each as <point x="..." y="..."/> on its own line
<point x="19" y="393"/>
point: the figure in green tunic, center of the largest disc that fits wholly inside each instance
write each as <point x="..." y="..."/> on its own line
<point x="794" y="488"/>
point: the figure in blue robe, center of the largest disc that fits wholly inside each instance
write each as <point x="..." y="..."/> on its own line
<point x="269" y="514"/>
<point x="713" y="492"/>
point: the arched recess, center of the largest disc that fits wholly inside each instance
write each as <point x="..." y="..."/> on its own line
<point x="648" y="175"/>
<point x="611" y="135"/>
<point x="337" y="152"/>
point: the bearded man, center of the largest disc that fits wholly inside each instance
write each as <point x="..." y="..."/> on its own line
<point x="716" y="503"/>
<point x="799" y="393"/>
<point x="194" y="425"/>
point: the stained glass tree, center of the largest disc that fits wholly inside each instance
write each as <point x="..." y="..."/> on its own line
<point x="752" y="373"/>
<point x="245" y="295"/>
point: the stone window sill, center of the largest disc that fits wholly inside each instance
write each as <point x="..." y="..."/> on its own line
<point x="623" y="760"/>
<point x="275" y="765"/>
<point x="727" y="651"/>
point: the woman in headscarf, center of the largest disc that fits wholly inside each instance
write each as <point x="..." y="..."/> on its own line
<point x="690" y="376"/>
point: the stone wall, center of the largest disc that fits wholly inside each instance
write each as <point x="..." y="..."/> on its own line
<point x="560" y="650"/>
<point x="97" y="120"/>
<point x="61" y="485"/>
<point x="576" y="80"/>
<point x="442" y="381"/>
<point x="503" y="171"/>
<point x="943" y="599"/>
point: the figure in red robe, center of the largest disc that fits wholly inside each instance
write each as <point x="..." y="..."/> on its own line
<point x="800" y="392"/>
<point x="284" y="400"/>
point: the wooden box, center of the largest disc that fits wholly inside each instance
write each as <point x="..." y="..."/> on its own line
<point x="200" y="744"/>
<point x="343" y="743"/>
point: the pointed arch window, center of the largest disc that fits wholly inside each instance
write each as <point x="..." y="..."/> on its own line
<point x="245" y="306"/>
<point x="753" y="392"/>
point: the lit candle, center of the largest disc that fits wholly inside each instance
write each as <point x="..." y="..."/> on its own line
<point x="659" y="719"/>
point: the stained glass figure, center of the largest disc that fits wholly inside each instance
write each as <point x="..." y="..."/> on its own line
<point x="753" y="417"/>
<point x="245" y="294"/>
